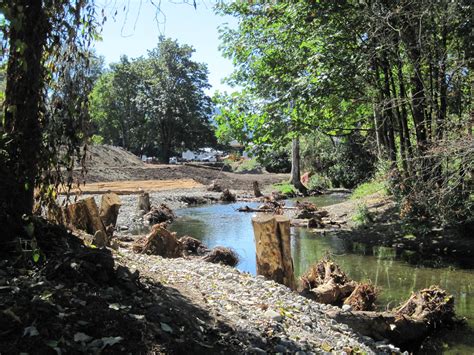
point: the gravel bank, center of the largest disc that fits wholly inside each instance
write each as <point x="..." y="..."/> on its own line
<point x="266" y="316"/>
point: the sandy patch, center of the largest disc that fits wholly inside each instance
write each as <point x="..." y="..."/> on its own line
<point x="135" y="186"/>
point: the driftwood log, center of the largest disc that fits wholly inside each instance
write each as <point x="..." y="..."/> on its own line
<point x="273" y="249"/>
<point x="109" y="208"/>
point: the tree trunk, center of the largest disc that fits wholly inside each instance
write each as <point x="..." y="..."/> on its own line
<point x="295" y="166"/>
<point x="23" y="97"/>
<point x="273" y="249"/>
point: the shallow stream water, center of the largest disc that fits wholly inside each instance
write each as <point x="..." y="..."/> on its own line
<point x="223" y="225"/>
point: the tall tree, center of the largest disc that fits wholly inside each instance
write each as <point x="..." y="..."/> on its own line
<point x="40" y="36"/>
<point x="155" y="104"/>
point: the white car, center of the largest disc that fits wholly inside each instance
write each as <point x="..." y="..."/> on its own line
<point x="173" y="160"/>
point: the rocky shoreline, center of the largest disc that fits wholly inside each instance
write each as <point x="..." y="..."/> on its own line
<point x="264" y="316"/>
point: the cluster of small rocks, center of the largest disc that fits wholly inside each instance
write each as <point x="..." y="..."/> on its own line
<point x="131" y="220"/>
<point x="279" y="319"/>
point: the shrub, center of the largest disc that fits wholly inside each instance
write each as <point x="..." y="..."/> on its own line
<point x="362" y="215"/>
<point x="319" y="182"/>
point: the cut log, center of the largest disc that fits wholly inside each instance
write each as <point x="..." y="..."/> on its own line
<point x="256" y="189"/>
<point x="250" y="209"/>
<point x="144" y="202"/>
<point x="109" y="208"/>
<point x="83" y="215"/>
<point x="273" y="249"/>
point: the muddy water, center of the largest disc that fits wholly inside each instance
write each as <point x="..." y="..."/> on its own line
<point x="223" y="225"/>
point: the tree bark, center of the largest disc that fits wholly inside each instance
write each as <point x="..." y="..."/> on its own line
<point x="295" y="166"/>
<point x="273" y="249"/>
<point x="22" y="107"/>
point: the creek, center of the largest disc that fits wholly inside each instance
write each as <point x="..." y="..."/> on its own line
<point x="222" y="224"/>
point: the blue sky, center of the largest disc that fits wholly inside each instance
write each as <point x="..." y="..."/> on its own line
<point x="135" y="30"/>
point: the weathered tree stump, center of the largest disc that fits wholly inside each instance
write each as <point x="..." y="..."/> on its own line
<point x="273" y="247"/>
<point x="109" y="208"/>
<point x="256" y="189"/>
<point x="227" y="196"/>
<point x="144" y="202"/>
<point x="83" y="215"/>
<point x="160" y="241"/>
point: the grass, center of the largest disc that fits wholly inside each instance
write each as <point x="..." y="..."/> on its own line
<point x="285" y="188"/>
<point x="368" y="188"/>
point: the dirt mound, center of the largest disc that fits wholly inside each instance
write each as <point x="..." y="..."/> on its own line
<point x="107" y="156"/>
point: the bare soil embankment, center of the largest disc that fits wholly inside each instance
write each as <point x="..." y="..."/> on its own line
<point x="106" y="164"/>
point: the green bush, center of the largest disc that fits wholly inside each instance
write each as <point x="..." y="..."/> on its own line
<point x="319" y="182"/>
<point x="362" y="215"/>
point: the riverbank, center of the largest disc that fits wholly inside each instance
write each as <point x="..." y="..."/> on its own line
<point x="418" y="242"/>
<point x="79" y="299"/>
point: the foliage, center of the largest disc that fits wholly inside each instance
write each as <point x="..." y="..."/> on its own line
<point x="441" y="190"/>
<point x="275" y="160"/>
<point x="155" y="104"/>
<point x="45" y="43"/>
<point x="369" y="188"/>
<point x="319" y="182"/>
<point x="362" y="215"/>
<point x="97" y="139"/>
<point x="344" y="161"/>
<point x="398" y="73"/>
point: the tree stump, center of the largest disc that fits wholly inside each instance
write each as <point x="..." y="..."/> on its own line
<point x="273" y="247"/>
<point x="84" y="215"/>
<point x="109" y="208"/>
<point x="144" y="202"/>
<point x="256" y="189"/>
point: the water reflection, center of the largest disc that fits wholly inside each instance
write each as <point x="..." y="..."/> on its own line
<point x="223" y="225"/>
